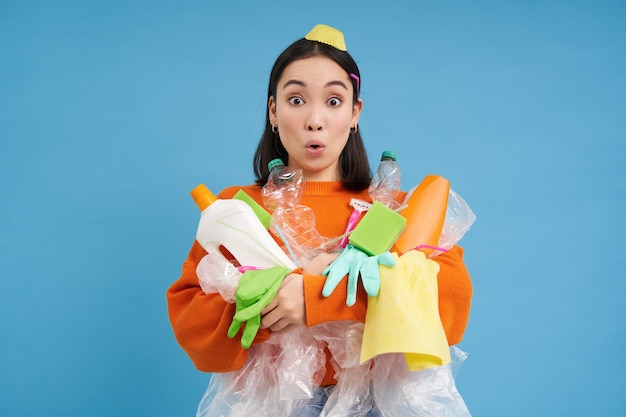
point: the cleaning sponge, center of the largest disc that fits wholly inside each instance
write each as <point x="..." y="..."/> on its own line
<point x="378" y="230"/>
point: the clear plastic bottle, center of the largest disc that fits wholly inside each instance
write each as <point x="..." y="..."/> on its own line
<point x="385" y="185"/>
<point x="284" y="185"/>
<point x="293" y="223"/>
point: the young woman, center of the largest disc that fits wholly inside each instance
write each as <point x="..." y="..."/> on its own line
<point x="312" y="121"/>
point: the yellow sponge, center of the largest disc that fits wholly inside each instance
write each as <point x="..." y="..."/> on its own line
<point x="378" y="230"/>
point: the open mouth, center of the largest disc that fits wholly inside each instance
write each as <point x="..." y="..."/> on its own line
<point x="314" y="145"/>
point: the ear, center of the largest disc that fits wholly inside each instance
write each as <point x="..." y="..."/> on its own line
<point x="356" y="112"/>
<point x="271" y="110"/>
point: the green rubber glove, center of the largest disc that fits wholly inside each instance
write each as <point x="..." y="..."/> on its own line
<point x="256" y="289"/>
<point x="355" y="262"/>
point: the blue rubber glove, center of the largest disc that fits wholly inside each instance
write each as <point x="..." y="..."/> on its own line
<point x="256" y="289"/>
<point x="355" y="262"/>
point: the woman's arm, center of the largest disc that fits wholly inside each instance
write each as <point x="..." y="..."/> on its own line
<point x="455" y="293"/>
<point x="299" y="301"/>
<point x="200" y="321"/>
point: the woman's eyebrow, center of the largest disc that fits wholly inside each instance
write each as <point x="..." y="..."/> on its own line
<point x="303" y="84"/>
<point x="296" y="82"/>
<point x="337" y="82"/>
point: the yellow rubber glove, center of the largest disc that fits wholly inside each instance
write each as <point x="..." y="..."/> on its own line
<point x="405" y="315"/>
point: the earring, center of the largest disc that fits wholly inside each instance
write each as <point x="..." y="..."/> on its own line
<point x="354" y="129"/>
<point x="275" y="130"/>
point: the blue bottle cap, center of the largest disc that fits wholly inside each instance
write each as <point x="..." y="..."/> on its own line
<point x="275" y="163"/>
<point x="388" y="155"/>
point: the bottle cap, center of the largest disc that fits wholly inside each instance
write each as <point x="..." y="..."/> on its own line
<point x="275" y="163"/>
<point x="388" y="155"/>
<point x="202" y="196"/>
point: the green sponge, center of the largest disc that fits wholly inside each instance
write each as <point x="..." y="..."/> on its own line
<point x="378" y="230"/>
<point x="260" y="212"/>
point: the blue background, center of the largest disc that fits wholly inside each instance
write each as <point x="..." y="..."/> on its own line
<point x="110" y="112"/>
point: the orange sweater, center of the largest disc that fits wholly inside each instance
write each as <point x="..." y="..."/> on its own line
<point x="200" y="321"/>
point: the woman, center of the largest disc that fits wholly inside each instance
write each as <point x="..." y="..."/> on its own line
<point x="312" y="124"/>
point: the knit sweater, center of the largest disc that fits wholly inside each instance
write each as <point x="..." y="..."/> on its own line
<point x="200" y="321"/>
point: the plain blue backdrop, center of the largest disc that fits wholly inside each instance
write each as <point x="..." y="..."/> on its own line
<point x="110" y="112"/>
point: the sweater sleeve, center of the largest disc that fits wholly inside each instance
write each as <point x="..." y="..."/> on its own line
<point x="200" y="321"/>
<point x="455" y="293"/>
<point x="320" y="309"/>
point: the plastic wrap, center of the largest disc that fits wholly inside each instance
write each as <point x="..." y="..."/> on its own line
<point x="281" y="374"/>
<point x="217" y="275"/>
<point x="459" y="219"/>
<point x="427" y="393"/>
<point x="277" y="378"/>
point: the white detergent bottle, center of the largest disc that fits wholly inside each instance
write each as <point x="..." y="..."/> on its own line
<point x="233" y="224"/>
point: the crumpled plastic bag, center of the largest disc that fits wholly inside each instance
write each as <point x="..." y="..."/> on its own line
<point x="281" y="374"/>
<point x="217" y="275"/>
<point x="428" y="393"/>
<point x="459" y="219"/>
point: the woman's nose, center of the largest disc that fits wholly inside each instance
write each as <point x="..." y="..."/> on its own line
<point x="312" y="127"/>
<point x="315" y="121"/>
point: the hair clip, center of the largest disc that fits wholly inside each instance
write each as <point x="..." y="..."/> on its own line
<point x="358" y="82"/>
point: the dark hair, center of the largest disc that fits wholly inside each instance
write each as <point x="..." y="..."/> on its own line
<point x="354" y="169"/>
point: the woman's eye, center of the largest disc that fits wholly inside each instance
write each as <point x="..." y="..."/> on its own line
<point x="296" y="101"/>
<point x="334" y="102"/>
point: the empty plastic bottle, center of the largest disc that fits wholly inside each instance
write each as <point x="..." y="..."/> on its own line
<point x="293" y="223"/>
<point x="385" y="185"/>
<point x="284" y="185"/>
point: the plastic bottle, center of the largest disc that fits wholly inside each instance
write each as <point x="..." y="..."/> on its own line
<point x="284" y="185"/>
<point x="293" y="223"/>
<point x="385" y="185"/>
<point x="425" y="214"/>
<point x="234" y="225"/>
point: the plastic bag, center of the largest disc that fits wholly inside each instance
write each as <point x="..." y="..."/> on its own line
<point x="459" y="219"/>
<point x="428" y="393"/>
<point x="281" y="374"/>
<point x="278" y="377"/>
<point x="217" y="275"/>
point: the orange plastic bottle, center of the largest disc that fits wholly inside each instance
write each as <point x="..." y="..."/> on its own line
<point x="425" y="215"/>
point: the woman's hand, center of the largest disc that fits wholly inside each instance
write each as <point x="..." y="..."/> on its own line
<point x="318" y="264"/>
<point x="287" y="307"/>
